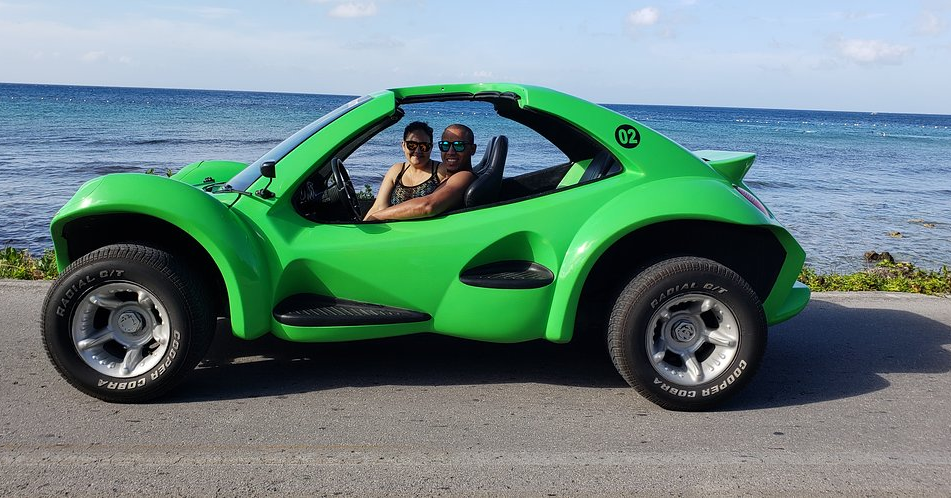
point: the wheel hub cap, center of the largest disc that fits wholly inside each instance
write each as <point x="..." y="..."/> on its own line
<point x="120" y="329"/>
<point x="692" y="338"/>
<point x="684" y="331"/>
<point x="130" y="322"/>
<point x="132" y="327"/>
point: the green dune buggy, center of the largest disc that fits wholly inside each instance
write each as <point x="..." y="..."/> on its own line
<point x="662" y="253"/>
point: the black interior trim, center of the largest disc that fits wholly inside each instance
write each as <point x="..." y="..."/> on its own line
<point x="487" y="96"/>
<point x="573" y="143"/>
<point x="533" y="182"/>
<point x="602" y="165"/>
<point x="437" y="97"/>
<point x="312" y="199"/>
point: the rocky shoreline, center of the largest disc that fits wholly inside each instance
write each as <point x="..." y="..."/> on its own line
<point x="882" y="273"/>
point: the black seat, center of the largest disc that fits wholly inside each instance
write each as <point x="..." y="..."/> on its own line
<point x="602" y="165"/>
<point x="485" y="188"/>
<point x="477" y="169"/>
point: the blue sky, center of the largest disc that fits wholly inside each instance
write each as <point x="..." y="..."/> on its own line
<point x="889" y="56"/>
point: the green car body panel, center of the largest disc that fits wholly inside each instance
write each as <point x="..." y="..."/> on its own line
<point x="204" y="218"/>
<point x="265" y="251"/>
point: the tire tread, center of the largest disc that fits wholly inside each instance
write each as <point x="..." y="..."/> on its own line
<point x="197" y="311"/>
<point x="618" y="343"/>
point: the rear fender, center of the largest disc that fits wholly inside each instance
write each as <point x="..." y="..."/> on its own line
<point x="678" y="198"/>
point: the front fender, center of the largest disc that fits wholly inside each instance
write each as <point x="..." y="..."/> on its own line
<point x="204" y="217"/>
<point x="203" y="171"/>
<point x="677" y="198"/>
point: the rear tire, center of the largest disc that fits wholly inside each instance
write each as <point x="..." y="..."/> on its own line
<point x="687" y="333"/>
<point x="126" y="323"/>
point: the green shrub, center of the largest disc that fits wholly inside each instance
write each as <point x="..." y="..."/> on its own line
<point x="885" y="276"/>
<point x="168" y="172"/>
<point x="20" y="264"/>
<point x="366" y="193"/>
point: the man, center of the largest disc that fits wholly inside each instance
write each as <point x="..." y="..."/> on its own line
<point x="456" y="148"/>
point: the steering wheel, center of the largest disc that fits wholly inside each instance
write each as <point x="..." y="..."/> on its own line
<point x="344" y="187"/>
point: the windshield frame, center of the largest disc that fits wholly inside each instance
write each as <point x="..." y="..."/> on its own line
<point x="244" y="179"/>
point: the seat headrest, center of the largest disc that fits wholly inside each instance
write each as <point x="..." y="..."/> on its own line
<point x="488" y="183"/>
<point x="602" y="165"/>
<point x="480" y="167"/>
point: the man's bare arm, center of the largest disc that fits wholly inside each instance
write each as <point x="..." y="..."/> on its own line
<point x="446" y="196"/>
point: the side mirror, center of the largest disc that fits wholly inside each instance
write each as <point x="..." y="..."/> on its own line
<point x="268" y="170"/>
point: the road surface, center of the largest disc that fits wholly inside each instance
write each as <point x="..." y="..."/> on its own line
<point x="854" y="398"/>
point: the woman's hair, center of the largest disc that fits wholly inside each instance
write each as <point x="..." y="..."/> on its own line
<point x="418" y="126"/>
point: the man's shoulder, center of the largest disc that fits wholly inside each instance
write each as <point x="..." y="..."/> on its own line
<point x="464" y="176"/>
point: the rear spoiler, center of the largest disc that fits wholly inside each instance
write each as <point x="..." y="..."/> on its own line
<point x="732" y="165"/>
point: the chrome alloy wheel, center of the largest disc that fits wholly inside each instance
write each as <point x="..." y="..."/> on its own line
<point x="692" y="339"/>
<point x="121" y="330"/>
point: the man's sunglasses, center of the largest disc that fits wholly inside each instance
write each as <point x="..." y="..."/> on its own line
<point x="424" y="146"/>
<point x="458" y="145"/>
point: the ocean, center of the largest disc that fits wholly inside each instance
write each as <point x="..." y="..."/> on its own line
<point x="842" y="182"/>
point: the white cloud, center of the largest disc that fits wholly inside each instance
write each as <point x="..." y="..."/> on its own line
<point x="873" y="51"/>
<point x="375" y="42"/>
<point x="212" y="13"/>
<point x="647" y="16"/>
<point x="216" y="12"/>
<point x="94" y="56"/>
<point x="930" y="23"/>
<point x="97" y="56"/>
<point x="353" y="9"/>
<point x="856" y="16"/>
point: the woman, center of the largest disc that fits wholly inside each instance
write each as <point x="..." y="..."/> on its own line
<point x="418" y="176"/>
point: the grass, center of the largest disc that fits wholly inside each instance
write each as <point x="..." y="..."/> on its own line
<point x="885" y="276"/>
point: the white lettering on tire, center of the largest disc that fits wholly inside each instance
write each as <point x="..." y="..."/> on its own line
<point x="155" y="374"/>
<point x="734" y="375"/>
<point x="688" y="393"/>
<point x="716" y="289"/>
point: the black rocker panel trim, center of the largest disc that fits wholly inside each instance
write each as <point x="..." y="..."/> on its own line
<point x="312" y="310"/>
<point x="513" y="274"/>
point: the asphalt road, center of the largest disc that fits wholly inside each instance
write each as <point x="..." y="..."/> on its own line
<point x="853" y="399"/>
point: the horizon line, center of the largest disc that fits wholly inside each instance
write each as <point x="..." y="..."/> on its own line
<point x="288" y="92"/>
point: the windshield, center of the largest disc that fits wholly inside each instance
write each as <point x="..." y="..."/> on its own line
<point x="243" y="180"/>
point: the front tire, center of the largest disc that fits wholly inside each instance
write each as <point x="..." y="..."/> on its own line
<point x="687" y="333"/>
<point x="126" y="323"/>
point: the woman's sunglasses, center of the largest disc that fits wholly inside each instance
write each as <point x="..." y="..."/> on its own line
<point x="424" y="146"/>
<point x="458" y="145"/>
